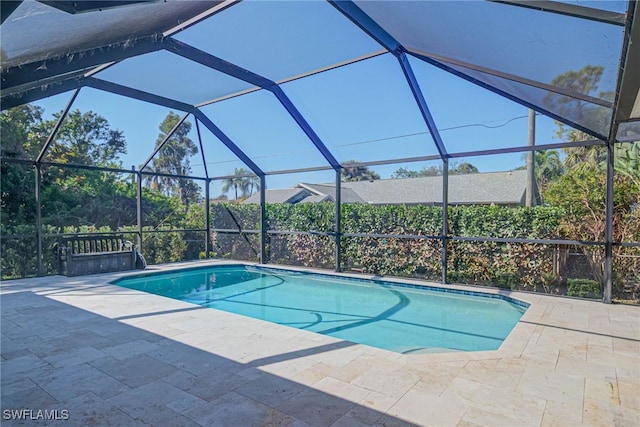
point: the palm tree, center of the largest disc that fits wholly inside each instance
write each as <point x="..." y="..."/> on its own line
<point x="577" y="157"/>
<point x="232" y="182"/>
<point x="548" y="166"/>
<point x="247" y="184"/>
<point x="161" y="184"/>
<point x="627" y="160"/>
<point x="252" y="185"/>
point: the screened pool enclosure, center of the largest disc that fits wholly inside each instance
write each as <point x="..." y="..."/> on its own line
<point x="278" y="96"/>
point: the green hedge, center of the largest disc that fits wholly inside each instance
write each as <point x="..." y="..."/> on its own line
<point x="510" y="265"/>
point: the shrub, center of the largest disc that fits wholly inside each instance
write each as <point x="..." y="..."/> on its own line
<point x="583" y="288"/>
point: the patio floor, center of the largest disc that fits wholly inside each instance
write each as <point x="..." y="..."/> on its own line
<point x="98" y="354"/>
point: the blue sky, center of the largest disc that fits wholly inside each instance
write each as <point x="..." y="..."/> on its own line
<point x="364" y="111"/>
<point x="367" y="131"/>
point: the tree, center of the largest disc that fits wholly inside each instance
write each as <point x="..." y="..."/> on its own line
<point x="548" y="167"/>
<point x="584" y="81"/>
<point x="627" y="160"/>
<point x="581" y="194"/>
<point x="454" y="169"/>
<point x="408" y="173"/>
<point x="173" y="159"/>
<point x="232" y="182"/>
<point x="246" y="184"/>
<point x="577" y="156"/>
<point x="73" y="199"/>
<point x="464" y="168"/>
<point x="581" y="190"/>
<point x="86" y="139"/>
<point x="156" y="182"/>
<point x="23" y="133"/>
<point x="253" y="185"/>
<point x="430" y="171"/>
<point x="70" y="197"/>
<point x="593" y="157"/>
<point x="404" y="173"/>
<point x="79" y="197"/>
<point x="353" y="171"/>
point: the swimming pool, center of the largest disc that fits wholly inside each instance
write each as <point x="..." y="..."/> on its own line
<point x="403" y="318"/>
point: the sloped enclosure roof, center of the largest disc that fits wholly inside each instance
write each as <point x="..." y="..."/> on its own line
<point x="525" y="51"/>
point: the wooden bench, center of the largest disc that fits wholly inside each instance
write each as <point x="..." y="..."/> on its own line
<point x="91" y="254"/>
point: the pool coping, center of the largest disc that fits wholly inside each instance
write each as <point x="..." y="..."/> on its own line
<point x="382" y="280"/>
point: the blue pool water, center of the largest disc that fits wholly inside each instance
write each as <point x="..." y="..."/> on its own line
<point x="400" y="318"/>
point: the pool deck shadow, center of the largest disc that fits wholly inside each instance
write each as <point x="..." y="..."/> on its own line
<point x="113" y="356"/>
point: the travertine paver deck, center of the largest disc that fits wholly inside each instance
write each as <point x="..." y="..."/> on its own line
<point x="104" y="355"/>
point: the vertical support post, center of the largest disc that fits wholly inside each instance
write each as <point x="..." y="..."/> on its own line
<point x="608" y="239"/>
<point x="445" y="216"/>
<point x="338" y="229"/>
<point x="38" y="173"/>
<point x="139" y="209"/>
<point x="207" y="218"/>
<point x="531" y="172"/>
<point x="263" y="220"/>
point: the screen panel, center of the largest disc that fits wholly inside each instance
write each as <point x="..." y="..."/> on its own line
<point x="505" y="38"/>
<point x="594" y="117"/>
<point x="629" y="131"/>
<point x="265" y="131"/>
<point x="285" y="38"/>
<point x="364" y="112"/>
<point x="172" y="76"/>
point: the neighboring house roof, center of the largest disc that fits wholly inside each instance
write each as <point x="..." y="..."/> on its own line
<point x="347" y="195"/>
<point x="478" y="188"/>
<point x="286" y="195"/>
<point x="398" y="191"/>
<point x="317" y="198"/>
<point x="500" y="188"/>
